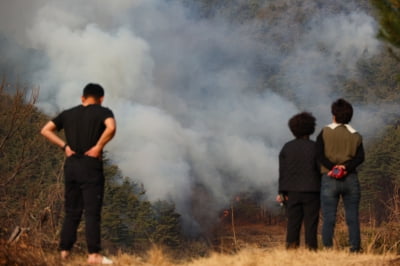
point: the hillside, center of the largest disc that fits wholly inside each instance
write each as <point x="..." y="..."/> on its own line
<point x="202" y="91"/>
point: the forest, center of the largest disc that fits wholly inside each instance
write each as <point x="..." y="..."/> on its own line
<point x="31" y="169"/>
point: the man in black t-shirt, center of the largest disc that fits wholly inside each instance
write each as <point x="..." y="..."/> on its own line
<point x="88" y="128"/>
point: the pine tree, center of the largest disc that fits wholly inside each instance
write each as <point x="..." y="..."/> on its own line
<point x="130" y="221"/>
<point x="389" y="19"/>
<point x="379" y="175"/>
<point x="167" y="230"/>
<point x="127" y="216"/>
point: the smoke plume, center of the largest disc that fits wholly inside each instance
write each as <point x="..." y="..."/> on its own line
<point x="190" y="95"/>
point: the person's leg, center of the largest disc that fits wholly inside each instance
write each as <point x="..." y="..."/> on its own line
<point x="311" y="218"/>
<point x="73" y="207"/>
<point x="351" y="200"/>
<point x="329" y="202"/>
<point x="295" y="218"/>
<point x="93" y="190"/>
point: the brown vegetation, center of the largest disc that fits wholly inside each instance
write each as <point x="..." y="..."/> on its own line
<point x="30" y="171"/>
<point x="256" y="244"/>
<point x="21" y="254"/>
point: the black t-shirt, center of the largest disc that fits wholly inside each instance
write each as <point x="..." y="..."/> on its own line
<point x="83" y="125"/>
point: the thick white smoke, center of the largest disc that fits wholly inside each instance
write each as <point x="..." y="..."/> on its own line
<point x="185" y="92"/>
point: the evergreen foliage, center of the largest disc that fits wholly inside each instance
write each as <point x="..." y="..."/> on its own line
<point x="127" y="219"/>
<point x="389" y="18"/>
<point x="131" y="221"/>
<point x="167" y="226"/>
<point x="381" y="174"/>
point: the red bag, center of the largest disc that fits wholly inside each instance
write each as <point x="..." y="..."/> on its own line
<point x="337" y="172"/>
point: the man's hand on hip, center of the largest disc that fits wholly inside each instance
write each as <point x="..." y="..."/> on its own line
<point x="94" y="152"/>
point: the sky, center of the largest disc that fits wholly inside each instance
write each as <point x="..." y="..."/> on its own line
<point x="191" y="107"/>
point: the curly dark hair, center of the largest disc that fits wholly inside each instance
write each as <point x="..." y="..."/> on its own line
<point x="302" y="124"/>
<point x="342" y="110"/>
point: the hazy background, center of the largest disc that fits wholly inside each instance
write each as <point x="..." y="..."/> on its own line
<point x="188" y="93"/>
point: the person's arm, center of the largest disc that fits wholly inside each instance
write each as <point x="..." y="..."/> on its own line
<point x="281" y="166"/>
<point x="351" y="165"/>
<point x="48" y="131"/>
<point x="321" y="153"/>
<point x="105" y="137"/>
<point x="282" y="195"/>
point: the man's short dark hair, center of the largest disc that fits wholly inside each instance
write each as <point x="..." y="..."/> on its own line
<point x="342" y="110"/>
<point x="93" y="90"/>
<point x="302" y="124"/>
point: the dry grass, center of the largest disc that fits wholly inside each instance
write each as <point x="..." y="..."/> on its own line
<point x="256" y="245"/>
<point x="257" y="256"/>
<point x="250" y="256"/>
<point x="280" y="256"/>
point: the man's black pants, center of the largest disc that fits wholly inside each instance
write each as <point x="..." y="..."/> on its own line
<point x="302" y="206"/>
<point x="84" y="189"/>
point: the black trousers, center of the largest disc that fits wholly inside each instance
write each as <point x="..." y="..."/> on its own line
<point x="302" y="207"/>
<point x="84" y="190"/>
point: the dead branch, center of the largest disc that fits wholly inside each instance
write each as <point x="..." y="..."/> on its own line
<point x="16" y="234"/>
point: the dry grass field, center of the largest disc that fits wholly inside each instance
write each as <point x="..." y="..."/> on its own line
<point x="244" y="244"/>
<point x="276" y="256"/>
<point x="250" y="256"/>
<point x="254" y="245"/>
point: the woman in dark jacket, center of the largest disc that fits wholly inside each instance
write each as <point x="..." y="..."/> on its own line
<point x="300" y="182"/>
